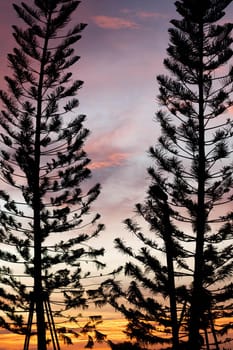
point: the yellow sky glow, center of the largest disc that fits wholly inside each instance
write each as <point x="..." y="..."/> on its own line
<point x="111" y="327"/>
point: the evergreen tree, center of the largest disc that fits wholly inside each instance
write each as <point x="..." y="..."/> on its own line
<point x="190" y="193"/>
<point x="45" y="213"/>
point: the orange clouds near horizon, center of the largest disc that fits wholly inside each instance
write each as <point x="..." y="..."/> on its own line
<point x="112" y="328"/>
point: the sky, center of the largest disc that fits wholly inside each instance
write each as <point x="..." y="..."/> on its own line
<point x="122" y="51"/>
<point x="121" y="54"/>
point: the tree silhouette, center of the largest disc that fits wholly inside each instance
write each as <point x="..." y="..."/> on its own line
<point x="151" y="320"/>
<point x="189" y="197"/>
<point x="199" y="97"/>
<point x="45" y="214"/>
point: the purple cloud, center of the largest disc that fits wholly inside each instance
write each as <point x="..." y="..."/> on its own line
<point x="115" y="23"/>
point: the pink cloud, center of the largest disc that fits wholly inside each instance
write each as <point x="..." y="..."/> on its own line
<point x="105" y="152"/>
<point x="107" y="22"/>
<point x="111" y="160"/>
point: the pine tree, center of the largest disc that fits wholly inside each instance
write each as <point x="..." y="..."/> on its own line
<point x="150" y="302"/>
<point x="199" y="97"/>
<point x="45" y="213"/>
<point x="190" y="193"/>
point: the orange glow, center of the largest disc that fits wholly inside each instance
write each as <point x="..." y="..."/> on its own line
<point x="115" y="159"/>
<point x="112" y="327"/>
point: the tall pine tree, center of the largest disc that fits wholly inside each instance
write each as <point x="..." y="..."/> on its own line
<point x="45" y="213"/>
<point x="190" y="194"/>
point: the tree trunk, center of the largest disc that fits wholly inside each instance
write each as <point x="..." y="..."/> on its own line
<point x="196" y="302"/>
<point x="171" y="277"/>
<point x="38" y="287"/>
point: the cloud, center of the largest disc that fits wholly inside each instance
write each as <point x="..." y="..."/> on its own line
<point x="111" y="160"/>
<point x="115" y="23"/>
<point x="152" y="15"/>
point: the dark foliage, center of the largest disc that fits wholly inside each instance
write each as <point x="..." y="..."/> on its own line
<point x="45" y="213"/>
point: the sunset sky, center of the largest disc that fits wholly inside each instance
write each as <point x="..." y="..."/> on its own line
<point x="122" y="52"/>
